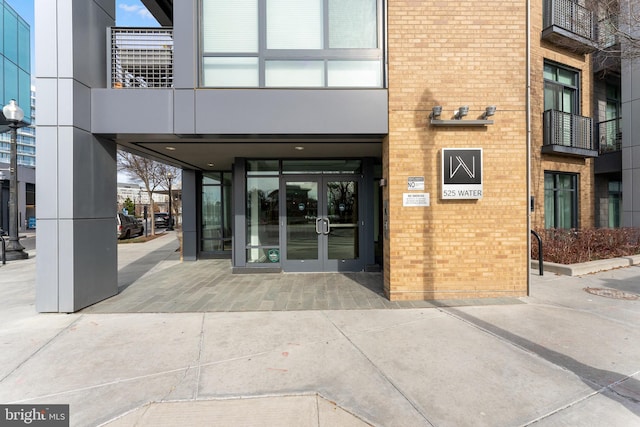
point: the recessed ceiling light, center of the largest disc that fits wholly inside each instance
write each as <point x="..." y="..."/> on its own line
<point x="171" y="148"/>
<point x="210" y="164"/>
<point x="299" y="148"/>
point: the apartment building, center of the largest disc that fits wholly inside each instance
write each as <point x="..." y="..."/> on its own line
<point x="420" y="139"/>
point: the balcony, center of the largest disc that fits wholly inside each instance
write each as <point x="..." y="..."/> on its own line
<point x="609" y="136"/>
<point x="609" y="147"/>
<point x="567" y="134"/>
<point x="141" y="58"/>
<point x="568" y="24"/>
<point x="607" y="58"/>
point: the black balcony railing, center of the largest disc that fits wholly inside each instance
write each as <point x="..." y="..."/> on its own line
<point x="609" y="136"/>
<point x="567" y="23"/>
<point x="567" y="134"/>
<point x="569" y="15"/>
<point x="141" y="58"/>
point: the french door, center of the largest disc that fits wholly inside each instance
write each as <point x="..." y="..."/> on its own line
<point x="322" y="223"/>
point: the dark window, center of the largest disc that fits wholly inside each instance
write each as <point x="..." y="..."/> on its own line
<point x="560" y="200"/>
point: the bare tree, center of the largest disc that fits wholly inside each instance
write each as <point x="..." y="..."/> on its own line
<point x="176" y="177"/>
<point x="617" y="29"/>
<point x="152" y="174"/>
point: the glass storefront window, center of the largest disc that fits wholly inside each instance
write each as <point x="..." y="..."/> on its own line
<point x="322" y="166"/>
<point x="262" y="218"/>
<point x="263" y="167"/>
<point x="216" y="212"/>
<point x="211" y="178"/>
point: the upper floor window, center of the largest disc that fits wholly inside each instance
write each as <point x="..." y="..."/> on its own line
<point x="291" y="43"/>
<point x="561" y="86"/>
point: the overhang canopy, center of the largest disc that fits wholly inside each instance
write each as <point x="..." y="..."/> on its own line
<point x="162" y="10"/>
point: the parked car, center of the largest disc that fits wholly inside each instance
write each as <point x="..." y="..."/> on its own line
<point x="162" y="219"/>
<point x="128" y="226"/>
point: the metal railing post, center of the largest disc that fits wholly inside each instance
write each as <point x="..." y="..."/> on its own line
<point x="540" y="255"/>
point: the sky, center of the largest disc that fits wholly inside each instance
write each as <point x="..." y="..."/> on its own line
<point x="129" y="13"/>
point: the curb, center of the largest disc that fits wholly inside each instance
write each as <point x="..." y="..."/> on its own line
<point x="589" y="267"/>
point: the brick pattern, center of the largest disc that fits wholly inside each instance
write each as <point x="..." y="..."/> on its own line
<point x="453" y="54"/>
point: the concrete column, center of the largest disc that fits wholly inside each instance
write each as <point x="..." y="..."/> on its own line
<point x="76" y="174"/>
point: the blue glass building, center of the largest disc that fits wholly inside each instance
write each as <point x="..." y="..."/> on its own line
<point x="15" y="80"/>
<point x="15" y="83"/>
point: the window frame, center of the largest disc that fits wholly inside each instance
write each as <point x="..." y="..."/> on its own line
<point x="575" y="208"/>
<point x="562" y="87"/>
<point x="325" y="54"/>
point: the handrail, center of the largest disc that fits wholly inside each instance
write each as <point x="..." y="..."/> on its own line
<point x="540" y="256"/>
<point x="609" y="135"/>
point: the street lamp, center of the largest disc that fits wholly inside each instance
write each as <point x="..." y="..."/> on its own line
<point x="170" y="178"/>
<point x="14" y="115"/>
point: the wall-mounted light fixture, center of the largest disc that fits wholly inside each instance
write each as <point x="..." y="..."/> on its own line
<point x="489" y="111"/>
<point x="435" y="112"/>
<point x="461" y="112"/>
<point x="458" y="114"/>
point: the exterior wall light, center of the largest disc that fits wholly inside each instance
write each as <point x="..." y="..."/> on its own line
<point x="435" y="112"/>
<point x="489" y="111"/>
<point x="461" y="112"/>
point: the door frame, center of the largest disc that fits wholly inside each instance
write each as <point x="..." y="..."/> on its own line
<point x="322" y="263"/>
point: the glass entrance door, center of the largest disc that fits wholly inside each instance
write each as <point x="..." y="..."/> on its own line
<point x="322" y="224"/>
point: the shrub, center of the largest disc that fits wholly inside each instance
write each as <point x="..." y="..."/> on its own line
<point x="587" y="244"/>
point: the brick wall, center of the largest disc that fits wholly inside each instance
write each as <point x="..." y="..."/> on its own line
<point x="453" y="54"/>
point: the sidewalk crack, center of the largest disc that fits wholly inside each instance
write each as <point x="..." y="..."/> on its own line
<point x="42" y="347"/>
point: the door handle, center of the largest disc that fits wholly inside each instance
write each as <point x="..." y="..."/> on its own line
<point x="318" y="220"/>
<point x="328" y="224"/>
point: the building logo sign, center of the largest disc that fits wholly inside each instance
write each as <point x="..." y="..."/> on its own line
<point x="462" y="173"/>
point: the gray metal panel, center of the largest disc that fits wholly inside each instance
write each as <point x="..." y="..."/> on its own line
<point x="184" y="108"/>
<point x="95" y="269"/>
<point x="73" y="103"/>
<point x="286" y="111"/>
<point x="189" y="215"/>
<point x="109" y="6"/>
<point x="368" y="254"/>
<point x="132" y="111"/>
<point x="81" y="106"/>
<point x="94" y="177"/>
<point x="608" y="163"/>
<point x="89" y="42"/>
<point x="47" y="266"/>
<point x="45" y="40"/>
<point x="64" y="38"/>
<point x="185" y="45"/>
<point x="47" y="174"/>
<point x="239" y="255"/>
<point x="47" y="103"/>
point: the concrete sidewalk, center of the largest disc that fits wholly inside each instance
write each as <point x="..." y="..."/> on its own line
<point x="562" y="356"/>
